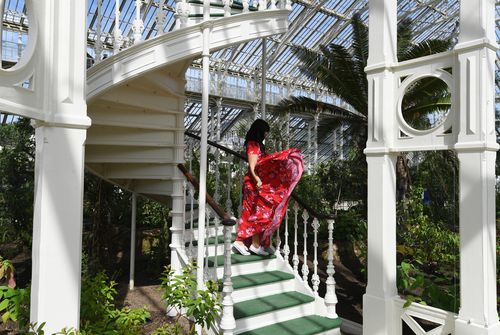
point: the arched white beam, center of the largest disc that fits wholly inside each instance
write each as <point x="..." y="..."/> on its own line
<point x="182" y="44"/>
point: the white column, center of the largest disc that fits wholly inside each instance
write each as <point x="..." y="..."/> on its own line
<point x="476" y="148"/>
<point x="378" y="315"/>
<point x="138" y="25"/>
<point x="57" y="227"/>
<point x="132" y="241"/>
<point x="381" y="289"/>
<point x="59" y="165"/>
<point x="263" y="76"/>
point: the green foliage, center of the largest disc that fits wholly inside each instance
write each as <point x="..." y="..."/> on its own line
<point x="169" y="329"/>
<point x="17" y="161"/>
<point x="431" y="245"/>
<point x="417" y="287"/>
<point x="98" y="312"/>
<point x="180" y="292"/>
<point x="14" y="305"/>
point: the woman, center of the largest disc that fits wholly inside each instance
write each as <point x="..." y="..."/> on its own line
<point x="266" y="188"/>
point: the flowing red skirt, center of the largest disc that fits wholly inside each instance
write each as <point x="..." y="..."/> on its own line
<point x="264" y="208"/>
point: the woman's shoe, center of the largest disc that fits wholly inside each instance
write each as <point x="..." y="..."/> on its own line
<point x="241" y="249"/>
<point x="270" y="250"/>
<point x="258" y="251"/>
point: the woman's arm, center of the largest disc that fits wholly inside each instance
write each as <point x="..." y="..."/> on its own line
<point x="252" y="162"/>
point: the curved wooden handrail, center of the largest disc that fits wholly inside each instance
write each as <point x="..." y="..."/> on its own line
<point x="215" y="206"/>
<point x="243" y="157"/>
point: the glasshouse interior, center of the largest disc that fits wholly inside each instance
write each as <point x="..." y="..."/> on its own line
<point x="127" y="167"/>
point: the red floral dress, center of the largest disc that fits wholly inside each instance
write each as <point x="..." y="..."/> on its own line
<point x="264" y="208"/>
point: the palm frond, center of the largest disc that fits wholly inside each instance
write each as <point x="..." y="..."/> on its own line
<point x="425" y="48"/>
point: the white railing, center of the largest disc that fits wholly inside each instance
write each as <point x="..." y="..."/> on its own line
<point x="186" y="14"/>
<point x="304" y="248"/>
<point x="441" y="322"/>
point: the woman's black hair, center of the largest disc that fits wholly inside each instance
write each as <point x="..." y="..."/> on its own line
<point x="257" y="132"/>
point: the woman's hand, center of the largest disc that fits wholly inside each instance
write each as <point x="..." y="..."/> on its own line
<point x="258" y="181"/>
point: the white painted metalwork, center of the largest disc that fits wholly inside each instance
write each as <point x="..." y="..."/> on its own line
<point x="286" y="248"/>
<point x="305" y="266"/>
<point x="315" y="277"/>
<point x="160" y="18"/>
<point x="206" y="270"/>
<point x="228" y="323"/>
<point x="98" y="42"/>
<point x="117" y="33"/>
<point x="295" y="258"/>
<point x="330" y="296"/>
<point x="138" y="25"/>
<point x="132" y="241"/>
<point x="229" y="203"/>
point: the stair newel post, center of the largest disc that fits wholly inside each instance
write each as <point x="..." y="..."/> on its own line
<point x="315" y="278"/>
<point x="331" y="296"/>
<point x="138" y="25"/>
<point x="295" y="258"/>
<point x="305" y="268"/>
<point x="117" y="33"/>
<point x="98" y="42"/>
<point x="286" y="248"/>
<point x="228" y="323"/>
<point x="206" y="270"/>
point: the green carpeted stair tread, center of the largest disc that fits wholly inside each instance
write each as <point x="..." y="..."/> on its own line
<point x="211" y="240"/>
<point x="238" y="259"/>
<point x="270" y="303"/>
<point x="307" y="325"/>
<point x="262" y="278"/>
<point x="256" y="279"/>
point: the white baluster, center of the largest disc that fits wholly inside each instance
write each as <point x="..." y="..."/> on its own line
<point x="138" y="25"/>
<point x="227" y="323"/>
<point x="273" y="4"/>
<point x="229" y="203"/>
<point x="316" y="124"/>
<point x="305" y="268"/>
<point x="227" y="7"/>
<point x="191" y="221"/>
<point x="278" y="240"/>
<point x="206" y="270"/>
<point x="181" y="14"/>
<point x="245" y="6"/>
<point x="288" y="4"/>
<point x="161" y="17"/>
<point x="315" y="278"/>
<point x="286" y="248"/>
<point x="117" y="33"/>
<point x="216" y="221"/>
<point x="295" y="258"/>
<point x="262" y="5"/>
<point x="98" y="42"/>
<point x="330" y="297"/>
<point x="184" y="191"/>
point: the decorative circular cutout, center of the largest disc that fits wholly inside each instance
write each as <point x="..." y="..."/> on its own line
<point x="18" y="30"/>
<point x="426" y="103"/>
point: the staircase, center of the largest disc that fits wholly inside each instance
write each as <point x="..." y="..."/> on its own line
<point x="269" y="296"/>
<point x="135" y="99"/>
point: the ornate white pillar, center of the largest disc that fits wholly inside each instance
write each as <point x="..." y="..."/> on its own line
<point x="60" y="135"/>
<point x="133" y="226"/>
<point x="117" y="33"/>
<point x="476" y="148"/>
<point x="138" y="25"/>
<point x="378" y="316"/>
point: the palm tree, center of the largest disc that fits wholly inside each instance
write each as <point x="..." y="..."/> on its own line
<point x="341" y="72"/>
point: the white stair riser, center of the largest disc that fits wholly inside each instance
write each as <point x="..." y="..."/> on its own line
<point x="263" y="290"/>
<point x="335" y="331"/>
<point x="247" y="268"/>
<point x="262" y="320"/>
